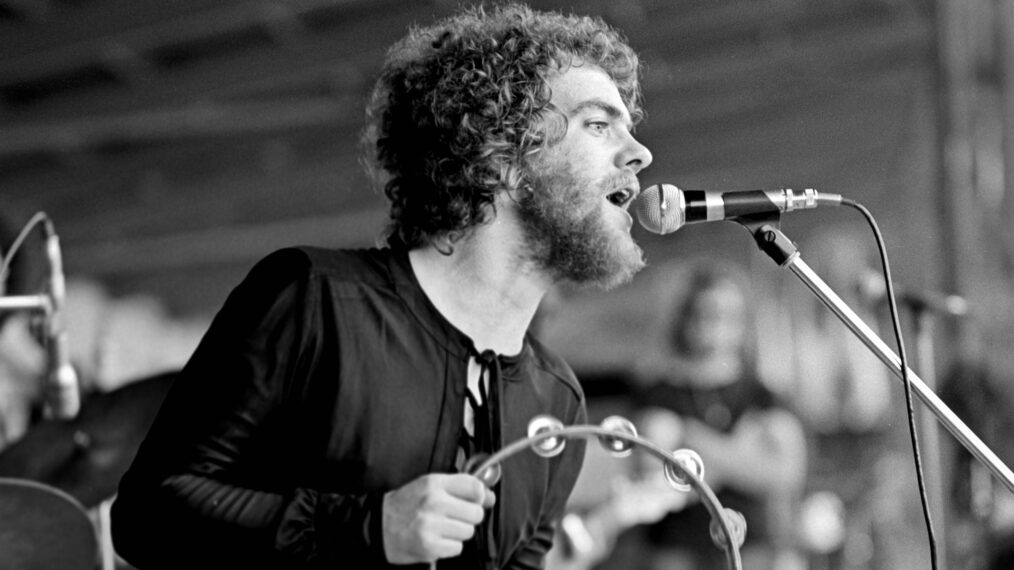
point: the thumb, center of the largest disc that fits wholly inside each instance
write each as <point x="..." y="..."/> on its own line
<point x="488" y="497"/>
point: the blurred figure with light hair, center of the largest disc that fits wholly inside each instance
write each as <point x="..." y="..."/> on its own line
<point x="700" y="389"/>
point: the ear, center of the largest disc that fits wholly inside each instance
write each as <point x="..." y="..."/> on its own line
<point x="520" y="192"/>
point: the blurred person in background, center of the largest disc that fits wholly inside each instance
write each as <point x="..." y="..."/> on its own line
<point x="698" y="388"/>
<point x="981" y="510"/>
<point x="854" y="392"/>
<point x="331" y="411"/>
<point x="618" y="502"/>
<point x="112" y="342"/>
<point x="22" y="366"/>
<point x="22" y="355"/>
<point x="607" y="500"/>
<point x="852" y="406"/>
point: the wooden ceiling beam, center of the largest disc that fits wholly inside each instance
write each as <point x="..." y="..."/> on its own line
<point x="351" y="50"/>
<point x="219" y="245"/>
<point x="699" y="86"/>
<point x="78" y="30"/>
<point x="34" y="11"/>
<point x="177" y="124"/>
<point x="330" y="62"/>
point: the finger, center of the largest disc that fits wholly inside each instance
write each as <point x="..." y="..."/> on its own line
<point x="464" y="512"/>
<point x="489" y="499"/>
<point x="446" y="548"/>
<point x="467" y="487"/>
<point x="472" y="497"/>
<point x="450" y="529"/>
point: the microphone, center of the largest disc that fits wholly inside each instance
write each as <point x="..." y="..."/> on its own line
<point x="664" y="208"/>
<point x="63" y="398"/>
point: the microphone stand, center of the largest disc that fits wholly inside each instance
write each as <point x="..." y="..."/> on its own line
<point x="13" y="303"/>
<point x="779" y="248"/>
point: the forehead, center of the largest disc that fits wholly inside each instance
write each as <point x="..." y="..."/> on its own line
<point x="582" y="87"/>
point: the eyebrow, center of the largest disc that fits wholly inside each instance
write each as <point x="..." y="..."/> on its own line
<point x="613" y="111"/>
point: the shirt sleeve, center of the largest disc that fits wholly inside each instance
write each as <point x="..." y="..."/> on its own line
<point x="209" y="485"/>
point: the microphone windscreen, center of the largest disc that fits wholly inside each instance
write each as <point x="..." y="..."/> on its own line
<point x="661" y="209"/>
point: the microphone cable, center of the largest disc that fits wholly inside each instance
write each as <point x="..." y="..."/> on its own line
<point x="895" y="321"/>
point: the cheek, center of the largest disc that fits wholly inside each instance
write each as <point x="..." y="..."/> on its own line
<point x="589" y="157"/>
<point x="580" y="148"/>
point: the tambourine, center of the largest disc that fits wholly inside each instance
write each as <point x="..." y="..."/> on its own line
<point x="683" y="468"/>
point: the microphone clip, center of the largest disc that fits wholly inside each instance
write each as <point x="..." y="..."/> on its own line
<point x="769" y="238"/>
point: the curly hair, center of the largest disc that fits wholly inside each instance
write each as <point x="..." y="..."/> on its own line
<point x="459" y="106"/>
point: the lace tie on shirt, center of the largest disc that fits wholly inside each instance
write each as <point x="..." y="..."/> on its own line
<point x="487" y="441"/>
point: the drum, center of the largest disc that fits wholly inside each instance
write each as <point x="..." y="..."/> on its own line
<point x="44" y="528"/>
<point x="85" y="456"/>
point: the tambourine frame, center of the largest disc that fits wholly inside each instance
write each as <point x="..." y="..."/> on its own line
<point x="705" y="492"/>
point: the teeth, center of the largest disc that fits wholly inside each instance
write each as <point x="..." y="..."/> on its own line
<point x="620" y="197"/>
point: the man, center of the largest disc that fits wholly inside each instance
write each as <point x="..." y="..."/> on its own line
<point x="327" y="418"/>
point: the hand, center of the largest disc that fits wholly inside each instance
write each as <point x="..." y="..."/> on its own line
<point x="644" y="501"/>
<point x="432" y="516"/>
<point x="662" y="426"/>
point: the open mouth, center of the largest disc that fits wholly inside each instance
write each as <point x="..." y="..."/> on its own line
<point x="621" y="197"/>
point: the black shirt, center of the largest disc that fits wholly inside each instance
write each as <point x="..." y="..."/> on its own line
<point x="327" y="379"/>
<point x="719" y="407"/>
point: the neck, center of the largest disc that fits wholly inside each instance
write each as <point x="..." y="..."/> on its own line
<point x="482" y="290"/>
<point x="717" y="369"/>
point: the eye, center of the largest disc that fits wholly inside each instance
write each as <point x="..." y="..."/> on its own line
<point x="598" y="126"/>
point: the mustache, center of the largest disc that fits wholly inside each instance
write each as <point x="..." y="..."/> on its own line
<point x="622" y="180"/>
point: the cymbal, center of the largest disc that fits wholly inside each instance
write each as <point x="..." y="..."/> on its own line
<point x="85" y="456"/>
<point x="44" y="528"/>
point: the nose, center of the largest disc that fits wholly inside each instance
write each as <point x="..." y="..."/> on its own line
<point x="635" y="155"/>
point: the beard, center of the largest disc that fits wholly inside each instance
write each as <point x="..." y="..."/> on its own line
<point x="567" y="235"/>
